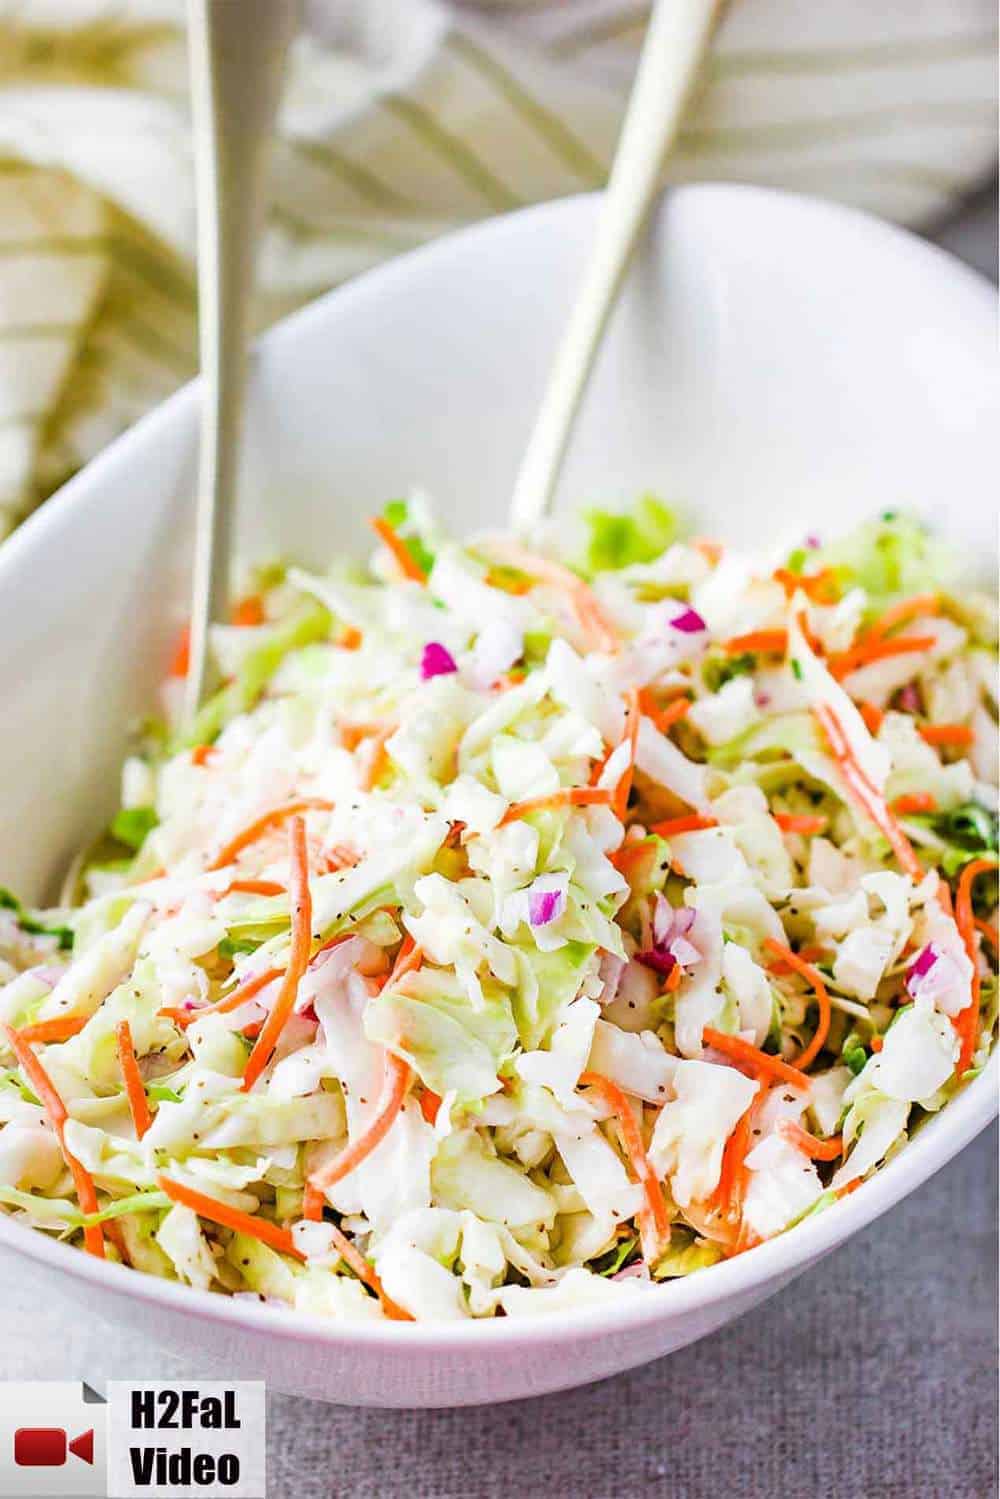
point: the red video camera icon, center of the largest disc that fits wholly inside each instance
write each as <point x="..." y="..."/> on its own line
<point x="48" y="1446"/>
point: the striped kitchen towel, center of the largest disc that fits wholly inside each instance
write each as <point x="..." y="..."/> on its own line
<point x="403" y="119"/>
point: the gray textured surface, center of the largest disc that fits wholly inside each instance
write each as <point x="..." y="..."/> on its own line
<point x="873" y="1378"/>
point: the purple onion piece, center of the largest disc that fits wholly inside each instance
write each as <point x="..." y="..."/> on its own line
<point x="689" y="622"/>
<point x="660" y="962"/>
<point x="813" y="542"/>
<point x="922" y="964"/>
<point x="437" y="661"/>
<point x="545" y="906"/>
<point x="909" y="699"/>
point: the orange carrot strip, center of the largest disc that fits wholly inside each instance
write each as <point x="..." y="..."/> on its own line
<point x="350" y="638"/>
<point x="729" y="1192"/>
<point x="202" y="753"/>
<point x="46" y="1032"/>
<point x="821" y="587"/>
<point x="253" y="887"/>
<point x="408" y="565"/>
<point x="914" y="801"/>
<point x="865" y="795"/>
<point x="663" y="718"/>
<point x="877" y="1044"/>
<point x="758" y="641"/>
<point x="570" y="796"/>
<point x="795" y="961"/>
<point x="654" y="1222"/>
<point x="693" y="823"/>
<point x="848" y="1188"/>
<point x="271" y="1234"/>
<point x="46" y="1093"/>
<point x="312" y="1204"/>
<point x="902" y="613"/>
<point x="673" y="979"/>
<point x="967" y="1021"/>
<point x="872" y="716"/>
<point x="751" y="1056"/>
<point x="429" y="1104"/>
<point x="263" y="824"/>
<point x="841" y="663"/>
<point x="398" y="1076"/>
<point x="794" y="822"/>
<point x="135" y="1089"/>
<point x="312" y="1212"/>
<point x="592" y="619"/>
<point x="377" y="758"/>
<point x="248" y="611"/>
<point x="958" y="734"/>
<point x="712" y="551"/>
<point x="232" y="1001"/>
<point x="633" y="719"/>
<point x="298" y="957"/>
<point x="180" y="661"/>
<point x="816" y="1150"/>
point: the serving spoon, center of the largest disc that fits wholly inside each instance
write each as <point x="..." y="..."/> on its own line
<point x="237" y="53"/>
<point x="678" y="33"/>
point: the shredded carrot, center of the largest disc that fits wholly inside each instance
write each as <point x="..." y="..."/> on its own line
<point x="271" y="1234"/>
<point x="877" y="1044"/>
<point x="312" y="1204"/>
<point x="377" y="758"/>
<point x="848" y="1188"/>
<point x="712" y="551"/>
<point x="728" y="1194"/>
<point x="47" y="1094"/>
<point x="202" y="753"/>
<point x="232" y="1001"/>
<point x="408" y="959"/>
<point x="253" y="887"/>
<point x="817" y="1150"/>
<point x="180" y="661"/>
<point x="654" y="1222"/>
<point x="663" y="718"/>
<point x="967" y="1021"/>
<point x="429" y="1105"/>
<point x="632" y="721"/>
<point x="398" y="1076"/>
<point x="758" y="641"/>
<point x="408" y="565"/>
<point x="902" y="613"/>
<point x="298" y="957"/>
<point x="340" y="857"/>
<point x="135" y="1090"/>
<point x="263" y="824"/>
<point x="751" y="1056"/>
<point x="593" y="622"/>
<point x="821" y="587"/>
<point x="872" y="716"/>
<point x="865" y="795"/>
<point x="796" y="822"/>
<point x="673" y="979"/>
<point x="959" y="735"/>
<point x="842" y="663"/>
<point x="248" y="611"/>
<point x="693" y="823"/>
<point x="570" y="796"/>
<point x="46" y="1032"/>
<point x="806" y="970"/>
<point x="350" y="638"/>
<point x="914" y="801"/>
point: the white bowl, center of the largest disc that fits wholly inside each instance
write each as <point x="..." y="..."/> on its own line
<point x="776" y="365"/>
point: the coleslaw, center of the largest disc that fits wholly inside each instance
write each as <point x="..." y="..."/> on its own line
<point x="519" y="927"/>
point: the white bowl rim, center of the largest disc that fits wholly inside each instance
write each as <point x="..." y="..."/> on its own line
<point x="935" y="1144"/>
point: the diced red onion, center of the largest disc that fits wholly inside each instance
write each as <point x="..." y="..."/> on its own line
<point x="545" y="906"/>
<point x="909" y="699"/>
<point x="659" y="960"/>
<point x="922" y="963"/>
<point x="689" y="622"/>
<point x="436" y="661"/>
<point x="813" y="542"/>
